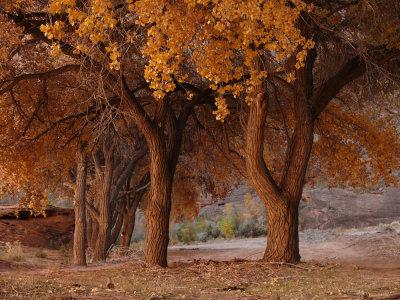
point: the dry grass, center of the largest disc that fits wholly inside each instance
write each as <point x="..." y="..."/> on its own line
<point x="45" y="274"/>
<point x="202" y="280"/>
<point x="12" y="252"/>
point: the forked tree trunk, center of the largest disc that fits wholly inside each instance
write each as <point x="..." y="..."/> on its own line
<point x="80" y="243"/>
<point x="281" y="200"/>
<point x="164" y="152"/>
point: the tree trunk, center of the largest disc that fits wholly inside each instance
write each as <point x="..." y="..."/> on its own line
<point x="92" y="234"/>
<point x="130" y="213"/>
<point x="159" y="206"/>
<point x="281" y="200"/>
<point x="157" y="221"/>
<point x="164" y="152"/>
<point x="283" y="236"/>
<point x="129" y="225"/>
<point x="104" y="220"/>
<point x="115" y="232"/>
<point x="127" y="230"/>
<point x="157" y="239"/>
<point x="103" y="234"/>
<point x="79" y="248"/>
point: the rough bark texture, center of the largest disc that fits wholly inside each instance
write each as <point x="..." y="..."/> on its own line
<point x="92" y="230"/>
<point x="283" y="237"/>
<point x="104" y="209"/>
<point x="117" y="226"/>
<point x="127" y="229"/>
<point x="79" y="247"/>
<point x="159" y="206"/>
<point x="281" y="200"/>
<point x="164" y="151"/>
<point x="129" y="221"/>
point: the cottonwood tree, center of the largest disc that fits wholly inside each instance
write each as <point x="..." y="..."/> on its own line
<point x="102" y="38"/>
<point x="44" y="128"/>
<point x="47" y="146"/>
<point x="288" y="61"/>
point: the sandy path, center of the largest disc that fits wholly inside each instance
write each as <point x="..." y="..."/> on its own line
<point x="364" y="250"/>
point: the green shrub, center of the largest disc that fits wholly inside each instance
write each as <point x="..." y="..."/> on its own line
<point x="203" y="229"/>
<point x="186" y="233"/>
<point x="227" y="227"/>
<point x="215" y="232"/>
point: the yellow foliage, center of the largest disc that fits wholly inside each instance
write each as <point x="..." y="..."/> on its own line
<point x="222" y="38"/>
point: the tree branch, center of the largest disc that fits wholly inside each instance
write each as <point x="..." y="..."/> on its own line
<point x="7" y="85"/>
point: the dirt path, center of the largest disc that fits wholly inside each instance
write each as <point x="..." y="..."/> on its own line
<point x="377" y="250"/>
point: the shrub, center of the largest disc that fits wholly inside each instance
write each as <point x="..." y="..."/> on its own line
<point x="12" y="251"/>
<point x="215" y="232"/>
<point x="186" y="233"/>
<point x="250" y="228"/>
<point x="203" y="229"/>
<point x="247" y="228"/>
<point x="227" y="226"/>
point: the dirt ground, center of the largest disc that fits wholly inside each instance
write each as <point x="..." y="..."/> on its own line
<point x="336" y="265"/>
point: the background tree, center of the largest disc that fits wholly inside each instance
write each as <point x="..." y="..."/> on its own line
<point x="94" y="36"/>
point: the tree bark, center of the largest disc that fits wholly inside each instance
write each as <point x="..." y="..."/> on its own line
<point x="164" y="152"/>
<point x="92" y="231"/>
<point x="129" y="223"/>
<point x="159" y="206"/>
<point x="80" y="243"/>
<point x="115" y="232"/>
<point x="104" y="220"/>
<point x="283" y="236"/>
<point x="281" y="200"/>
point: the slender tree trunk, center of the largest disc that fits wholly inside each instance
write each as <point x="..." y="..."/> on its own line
<point x="104" y="220"/>
<point x="93" y="233"/>
<point x="89" y="230"/>
<point x="103" y="234"/>
<point x="115" y="232"/>
<point x="127" y="230"/>
<point x="79" y="248"/>
<point x="130" y="213"/>
<point x="129" y="225"/>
